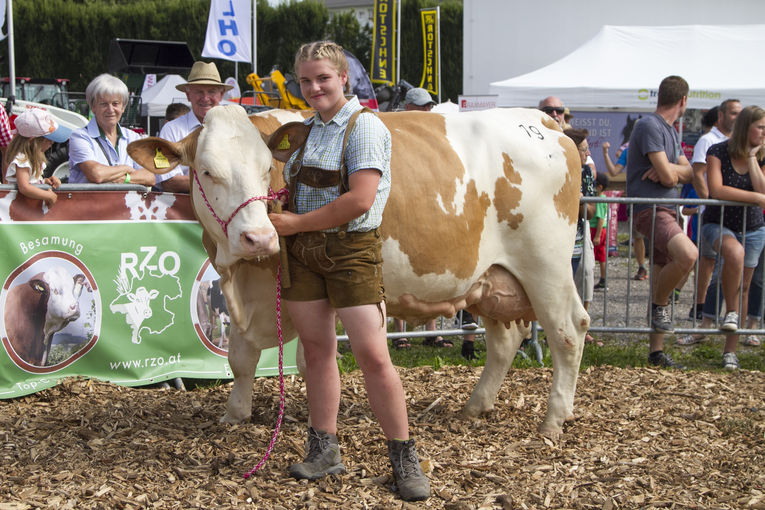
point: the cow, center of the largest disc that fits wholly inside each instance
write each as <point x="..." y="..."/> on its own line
<point x="40" y="307"/>
<point x="219" y="311"/>
<point x="136" y="306"/>
<point x="481" y="215"/>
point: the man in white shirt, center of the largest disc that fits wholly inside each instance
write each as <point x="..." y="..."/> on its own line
<point x="726" y="117"/>
<point x="204" y="90"/>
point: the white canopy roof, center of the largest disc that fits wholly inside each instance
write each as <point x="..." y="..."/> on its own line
<point x="622" y="66"/>
<point x="156" y="98"/>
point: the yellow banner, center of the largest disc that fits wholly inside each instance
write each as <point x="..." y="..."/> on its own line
<point x="383" y="68"/>
<point x="430" y="59"/>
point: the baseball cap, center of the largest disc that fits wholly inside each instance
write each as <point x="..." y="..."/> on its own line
<point x="418" y="96"/>
<point x="36" y="122"/>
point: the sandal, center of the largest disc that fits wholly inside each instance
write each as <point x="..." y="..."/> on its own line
<point x="437" y="341"/>
<point x="689" y="340"/>
<point x="752" y="341"/>
<point x="589" y="340"/>
<point x="401" y="343"/>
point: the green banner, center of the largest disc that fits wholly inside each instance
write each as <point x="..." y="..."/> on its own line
<point x="127" y="301"/>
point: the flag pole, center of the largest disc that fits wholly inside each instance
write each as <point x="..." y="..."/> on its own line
<point x="254" y="36"/>
<point x="438" y="45"/>
<point x="398" y="43"/>
<point x="11" y="57"/>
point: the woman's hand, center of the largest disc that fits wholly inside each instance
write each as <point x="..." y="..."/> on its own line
<point x="285" y="223"/>
<point x="754" y="150"/>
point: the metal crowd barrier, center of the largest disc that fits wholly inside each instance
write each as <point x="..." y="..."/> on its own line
<point x="611" y="310"/>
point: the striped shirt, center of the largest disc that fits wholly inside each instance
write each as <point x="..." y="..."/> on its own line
<point x="369" y="146"/>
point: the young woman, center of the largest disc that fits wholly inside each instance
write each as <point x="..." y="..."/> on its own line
<point x="584" y="251"/>
<point x="735" y="172"/>
<point x="25" y="159"/>
<point x="335" y="262"/>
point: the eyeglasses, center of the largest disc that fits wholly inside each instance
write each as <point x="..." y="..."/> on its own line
<point x="549" y="109"/>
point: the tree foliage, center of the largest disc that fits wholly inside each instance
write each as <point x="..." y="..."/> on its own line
<point x="70" y="38"/>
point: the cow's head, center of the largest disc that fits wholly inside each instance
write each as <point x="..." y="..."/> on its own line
<point x="232" y="164"/>
<point x="64" y="292"/>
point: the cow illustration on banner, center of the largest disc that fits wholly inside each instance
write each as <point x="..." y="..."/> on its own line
<point x="51" y="311"/>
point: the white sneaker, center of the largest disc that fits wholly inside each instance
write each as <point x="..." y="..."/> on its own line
<point x="730" y="322"/>
<point x="730" y="361"/>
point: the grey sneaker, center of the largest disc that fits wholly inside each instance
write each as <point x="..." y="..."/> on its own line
<point x="663" y="360"/>
<point x="730" y="322"/>
<point x="408" y="478"/>
<point x="660" y="320"/>
<point x="322" y="457"/>
<point x="730" y="361"/>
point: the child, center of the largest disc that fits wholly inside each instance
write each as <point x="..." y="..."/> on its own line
<point x="36" y="131"/>
<point x="596" y="228"/>
<point x="334" y="249"/>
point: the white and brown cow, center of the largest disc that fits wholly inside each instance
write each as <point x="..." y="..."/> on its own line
<point x="38" y="308"/>
<point x="481" y="215"/>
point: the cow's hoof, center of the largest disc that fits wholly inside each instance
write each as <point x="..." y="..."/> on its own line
<point x="552" y="432"/>
<point x="474" y="410"/>
<point x="233" y="420"/>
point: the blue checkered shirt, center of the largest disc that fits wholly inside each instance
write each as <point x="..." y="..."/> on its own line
<point x="369" y="146"/>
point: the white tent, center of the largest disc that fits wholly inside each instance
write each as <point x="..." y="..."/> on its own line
<point x="156" y="98"/>
<point x="622" y="66"/>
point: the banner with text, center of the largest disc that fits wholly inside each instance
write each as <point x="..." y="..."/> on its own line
<point x="383" y="68"/>
<point x="129" y="298"/>
<point x="228" y="31"/>
<point x="430" y="49"/>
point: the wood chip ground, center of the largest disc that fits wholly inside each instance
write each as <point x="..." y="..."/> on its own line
<point x="642" y="439"/>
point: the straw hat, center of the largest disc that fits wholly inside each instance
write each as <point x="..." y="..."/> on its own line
<point x="203" y="73"/>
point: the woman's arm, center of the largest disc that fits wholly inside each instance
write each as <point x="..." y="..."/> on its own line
<point x="614" y="169"/>
<point x="722" y="192"/>
<point x="755" y="171"/>
<point x="348" y="206"/>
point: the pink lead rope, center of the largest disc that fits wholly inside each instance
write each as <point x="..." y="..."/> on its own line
<point x="281" y="375"/>
<point x="224" y="225"/>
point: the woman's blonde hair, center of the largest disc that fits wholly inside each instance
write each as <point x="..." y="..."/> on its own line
<point x="31" y="149"/>
<point x="739" y="139"/>
<point x="318" y="50"/>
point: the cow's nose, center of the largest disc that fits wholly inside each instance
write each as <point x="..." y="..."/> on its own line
<point x="263" y="241"/>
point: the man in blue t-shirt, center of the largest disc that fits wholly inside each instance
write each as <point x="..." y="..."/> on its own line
<point x="655" y="166"/>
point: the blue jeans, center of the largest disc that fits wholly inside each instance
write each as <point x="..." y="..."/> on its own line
<point x="753" y="257"/>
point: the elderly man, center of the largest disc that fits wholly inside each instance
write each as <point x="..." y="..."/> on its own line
<point x="418" y="99"/>
<point x="553" y="107"/>
<point x="203" y="90"/>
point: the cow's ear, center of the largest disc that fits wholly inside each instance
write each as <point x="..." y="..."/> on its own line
<point x="287" y="139"/>
<point x="159" y="156"/>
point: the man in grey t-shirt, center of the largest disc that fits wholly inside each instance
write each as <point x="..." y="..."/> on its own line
<point x="655" y="166"/>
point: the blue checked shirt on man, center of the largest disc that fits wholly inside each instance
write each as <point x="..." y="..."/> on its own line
<point x="369" y="146"/>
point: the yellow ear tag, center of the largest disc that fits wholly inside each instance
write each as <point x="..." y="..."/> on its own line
<point x="160" y="161"/>
<point x="284" y="144"/>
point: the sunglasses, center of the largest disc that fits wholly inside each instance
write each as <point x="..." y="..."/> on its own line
<point x="549" y="109"/>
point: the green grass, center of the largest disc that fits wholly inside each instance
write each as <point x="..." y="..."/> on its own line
<point x="618" y="351"/>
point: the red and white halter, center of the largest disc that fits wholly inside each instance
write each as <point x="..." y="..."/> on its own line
<point x="225" y="223"/>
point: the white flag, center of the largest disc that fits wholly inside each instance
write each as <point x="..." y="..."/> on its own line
<point x="3" y="9"/>
<point x="228" y="30"/>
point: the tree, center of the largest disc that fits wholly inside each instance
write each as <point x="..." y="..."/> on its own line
<point x="70" y="38"/>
